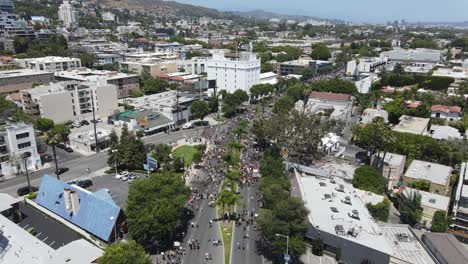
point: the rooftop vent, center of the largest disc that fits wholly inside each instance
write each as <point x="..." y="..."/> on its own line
<point x="347" y="200"/>
<point x="354" y="214"/>
<point x="334" y="209"/>
<point x="340" y="188"/>
<point x="354" y="232"/>
<point x="339" y="230"/>
<point x="402" y="237"/>
<point x="322" y="184"/>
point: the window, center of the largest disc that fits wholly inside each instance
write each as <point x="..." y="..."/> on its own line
<point x="22" y="135"/>
<point x="24" y="145"/>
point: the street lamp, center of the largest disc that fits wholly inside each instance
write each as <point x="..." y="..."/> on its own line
<point x="286" y="257"/>
<point x="115" y="159"/>
<point x="25" y="157"/>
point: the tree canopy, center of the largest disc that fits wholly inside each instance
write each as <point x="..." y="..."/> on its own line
<point x="124" y="253"/>
<point x="439" y="222"/>
<point x="200" y="109"/>
<point x="320" y="51"/>
<point x="369" y="179"/>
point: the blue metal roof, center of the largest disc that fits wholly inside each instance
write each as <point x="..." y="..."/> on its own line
<point x="97" y="213"/>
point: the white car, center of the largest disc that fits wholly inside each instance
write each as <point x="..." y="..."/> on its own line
<point x="119" y="176"/>
<point x="188" y="125"/>
<point x="125" y="177"/>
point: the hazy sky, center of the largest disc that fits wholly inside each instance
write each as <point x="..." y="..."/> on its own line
<point x="355" y="10"/>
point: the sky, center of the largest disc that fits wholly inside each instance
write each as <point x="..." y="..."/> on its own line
<point x="375" y="11"/>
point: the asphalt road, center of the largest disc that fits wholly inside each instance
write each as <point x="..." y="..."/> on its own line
<point x="78" y="165"/>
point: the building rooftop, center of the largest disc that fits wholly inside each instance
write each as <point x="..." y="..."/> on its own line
<point x="445" y="109"/>
<point x="447" y="246"/>
<point x="445" y="132"/>
<point x="94" y="214"/>
<point x="335" y="208"/>
<point x="85" y="74"/>
<point x="416" y="55"/>
<point x="330" y="96"/>
<point x="413" y="125"/>
<point x="406" y="245"/>
<point x="432" y="200"/>
<point x="146" y="119"/>
<point x="433" y="172"/>
<point x="50" y="59"/>
<point x="393" y="159"/>
<point x="20" y="73"/>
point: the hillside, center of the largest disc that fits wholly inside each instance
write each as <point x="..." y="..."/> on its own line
<point x="159" y="6"/>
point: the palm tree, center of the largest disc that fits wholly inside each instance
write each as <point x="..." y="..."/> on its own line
<point x="53" y="138"/>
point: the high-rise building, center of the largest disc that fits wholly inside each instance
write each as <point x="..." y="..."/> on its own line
<point x="66" y="14"/>
<point x="232" y="74"/>
<point x="7" y="6"/>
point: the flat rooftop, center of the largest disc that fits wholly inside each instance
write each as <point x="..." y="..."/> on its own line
<point x="51" y="59"/>
<point x="433" y="172"/>
<point x="413" y="125"/>
<point x="85" y="74"/>
<point x="405" y="244"/>
<point x="432" y="200"/>
<point x="21" y="73"/>
<point x="329" y="212"/>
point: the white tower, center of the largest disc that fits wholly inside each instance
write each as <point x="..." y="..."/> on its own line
<point x="66" y="14"/>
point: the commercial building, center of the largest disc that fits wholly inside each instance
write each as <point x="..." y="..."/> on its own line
<point x="125" y="83"/>
<point x="84" y="141"/>
<point x="155" y="68"/>
<point x="150" y="122"/>
<point x="412" y="125"/>
<point x="13" y="81"/>
<point x="50" y="63"/>
<point x="18" y="148"/>
<point x="336" y="106"/>
<point x="69" y="101"/>
<point x="67" y="14"/>
<point x="430" y="203"/>
<point x="297" y="66"/>
<point x="234" y="74"/>
<point x="449" y="113"/>
<point x="436" y="174"/>
<point x="18" y="245"/>
<point x="355" y="67"/>
<point x="413" y="55"/>
<point x="95" y="213"/>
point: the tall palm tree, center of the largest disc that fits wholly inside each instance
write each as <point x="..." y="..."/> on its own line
<point x="52" y="138"/>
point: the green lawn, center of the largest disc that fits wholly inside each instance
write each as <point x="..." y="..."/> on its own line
<point x="186" y="152"/>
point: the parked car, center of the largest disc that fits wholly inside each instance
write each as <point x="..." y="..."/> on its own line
<point x="76" y="124"/>
<point x="73" y="182"/>
<point x="68" y="149"/>
<point x="188" y="125"/>
<point x="201" y="123"/>
<point x="125" y="177"/>
<point x="25" y="190"/>
<point x="84" y="123"/>
<point x="85" y="183"/>
<point x="119" y="176"/>
<point x="61" y="171"/>
<point x="61" y="146"/>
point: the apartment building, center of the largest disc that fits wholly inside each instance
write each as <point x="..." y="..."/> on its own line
<point x="13" y="81"/>
<point x="296" y="66"/>
<point x="125" y="83"/>
<point x="436" y="174"/>
<point x="72" y="100"/>
<point x="49" y="63"/>
<point x="459" y="224"/>
<point x="232" y="74"/>
<point x="153" y="67"/>
<point x="17" y="148"/>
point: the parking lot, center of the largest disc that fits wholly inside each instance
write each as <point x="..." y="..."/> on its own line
<point x="44" y="228"/>
<point x="118" y="189"/>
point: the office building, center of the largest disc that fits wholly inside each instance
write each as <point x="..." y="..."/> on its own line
<point x="233" y="74"/>
<point x="125" y="83"/>
<point x="50" y="63"/>
<point x="67" y="14"/>
<point x="69" y="101"/>
<point x="17" y="148"/>
<point x="13" y="81"/>
<point x="419" y="55"/>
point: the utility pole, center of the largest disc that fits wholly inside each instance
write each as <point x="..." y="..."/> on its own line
<point x="94" y="122"/>
<point x="177" y="105"/>
<point x="25" y="157"/>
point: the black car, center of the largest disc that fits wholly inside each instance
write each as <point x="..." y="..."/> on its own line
<point x="201" y="123"/>
<point x="84" y="123"/>
<point x="25" y="190"/>
<point x="61" y="146"/>
<point x="61" y="171"/>
<point x="68" y="149"/>
<point x="85" y="183"/>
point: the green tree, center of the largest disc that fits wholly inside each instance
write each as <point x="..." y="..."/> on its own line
<point x="410" y="208"/>
<point x="283" y="105"/>
<point x="320" y="51"/>
<point x="156" y="85"/>
<point x="156" y="211"/>
<point x="44" y="124"/>
<point x="52" y="138"/>
<point x="87" y="59"/>
<point x="200" y="109"/>
<point x="124" y="253"/>
<point x="226" y="198"/>
<point x="439" y="222"/>
<point x="63" y="130"/>
<point x="369" y="179"/>
<point x="21" y="44"/>
<point x="162" y="153"/>
<point x="380" y="211"/>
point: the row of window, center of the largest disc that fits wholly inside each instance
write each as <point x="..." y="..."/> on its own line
<point x="22" y="135"/>
<point x="24" y="145"/>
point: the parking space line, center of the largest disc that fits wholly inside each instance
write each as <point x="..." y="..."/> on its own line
<point x="45" y="239"/>
<point x="24" y="227"/>
<point x="38" y="234"/>
<point x="51" y="243"/>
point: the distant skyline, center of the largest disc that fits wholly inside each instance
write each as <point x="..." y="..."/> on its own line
<point x="375" y="11"/>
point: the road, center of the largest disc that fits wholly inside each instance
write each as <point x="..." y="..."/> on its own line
<point x="78" y="165"/>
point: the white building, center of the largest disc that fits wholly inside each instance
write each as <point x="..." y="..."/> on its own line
<point x="364" y="85"/>
<point x="233" y="74"/>
<point x="336" y="106"/>
<point x="412" y="125"/>
<point x="354" y="67"/>
<point x="330" y="143"/>
<point x="370" y="114"/>
<point x="67" y="14"/>
<point x="50" y="63"/>
<point x="17" y="140"/>
<point x="268" y="78"/>
<point x="69" y="101"/>
<point x="108" y="16"/>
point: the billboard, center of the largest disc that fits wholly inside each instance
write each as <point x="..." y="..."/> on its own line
<point x="151" y="162"/>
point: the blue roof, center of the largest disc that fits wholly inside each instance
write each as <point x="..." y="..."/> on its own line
<point x="97" y="214"/>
